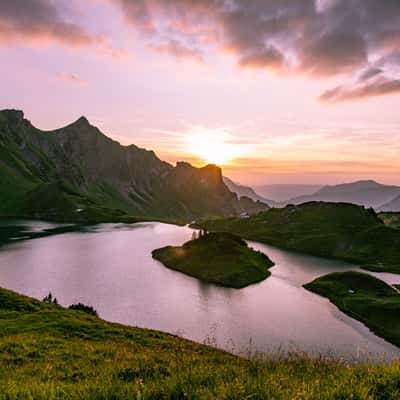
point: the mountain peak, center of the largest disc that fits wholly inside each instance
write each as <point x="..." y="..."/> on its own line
<point x="14" y="115"/>
<point x="82" y="121"/>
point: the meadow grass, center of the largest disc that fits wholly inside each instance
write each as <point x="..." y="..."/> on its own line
<point x="47" y="352"/>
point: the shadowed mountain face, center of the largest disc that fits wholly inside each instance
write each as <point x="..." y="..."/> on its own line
<point x="65" y="173"/>
<point x="365" y="193"/>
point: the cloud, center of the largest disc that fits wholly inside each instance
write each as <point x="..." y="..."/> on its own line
<point x="333" y="53"/>
<point x="71" y="78"/>
<point x="40" y="21"/>
<point x="266" y="58"/>
<point x="316" y="38"/>
<point x="179" y="50"/>
<point x="378" y="87"/>
<point x="369" y="73"/>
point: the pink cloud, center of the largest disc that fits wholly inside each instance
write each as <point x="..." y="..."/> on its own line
<point x="71" y="78"/>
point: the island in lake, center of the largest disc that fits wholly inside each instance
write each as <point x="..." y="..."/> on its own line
<point x="220" y="258"/>
<point x="340" y="231"/>
<point x="364" y="298"/>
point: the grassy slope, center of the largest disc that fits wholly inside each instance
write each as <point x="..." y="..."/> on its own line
<point x="219" y="258"/>
<point x="333" y="230"/>
<point x="391" y="219"/>
<point x="373" y="302"/>
<point x="48" y="352"/>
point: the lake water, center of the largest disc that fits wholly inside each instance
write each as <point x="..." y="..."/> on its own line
<point x="111" y="268"/>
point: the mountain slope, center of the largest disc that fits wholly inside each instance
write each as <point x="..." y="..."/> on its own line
<point x="79" y="168"/>
<point x="246" y="191"/>
<point x="363" y="193"/>
<point x="393" y="205"/>
<point x="284" y="192"/>
<point x="48" y="352"/>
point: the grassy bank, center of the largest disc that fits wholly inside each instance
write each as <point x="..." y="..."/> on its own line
<point x="391" y="219"/>
<point x="47" y="352"/>
<point x="333" y="230"/>
<point x="220" y="258"/>
<point x="364" y="298"/>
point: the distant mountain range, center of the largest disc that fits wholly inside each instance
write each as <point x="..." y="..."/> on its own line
<point x="393" y="205"/>
<point x="282" y="192"/>
<point x="366" y="193"/>
<point x="78" y="173"/>
<point x="246" y="191"/>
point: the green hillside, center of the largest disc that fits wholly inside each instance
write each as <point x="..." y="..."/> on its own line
<point x="47" y="352"/>
<point x="219" y="258"/>
<point x="334" y="230"/>
<point x="365" y="298"/>
<point x="51" y="175"/>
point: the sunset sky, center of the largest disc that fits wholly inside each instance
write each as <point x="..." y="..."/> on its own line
<point x="277" y="91"/>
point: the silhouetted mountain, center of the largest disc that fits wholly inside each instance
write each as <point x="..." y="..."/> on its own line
<point x="77" y="172"/>
<point x="246" y="191"/>
<point x="365" y="193"/>
<point x="284" y="192"/>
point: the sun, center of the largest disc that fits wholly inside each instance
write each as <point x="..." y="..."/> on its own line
<point x="212" y="146"/>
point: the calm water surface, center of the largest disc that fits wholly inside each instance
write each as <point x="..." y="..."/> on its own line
<point x="112" y="269"/>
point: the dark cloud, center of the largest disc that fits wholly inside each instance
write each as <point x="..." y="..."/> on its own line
<point x="319" y="38"/>
<point x="333" y="53"/>
<point x="369" y="73"/>
<point x="356" y="39"/>
<point x="268" y="58"/>
<point x="40" y="20"/>
<point x="374" y="88"/>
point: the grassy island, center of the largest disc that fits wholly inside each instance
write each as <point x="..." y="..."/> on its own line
<point x="333" y="230"/>
<point x="220" y="258"/>
<point x="364" y="298"/>
<point x="48" y="352"/>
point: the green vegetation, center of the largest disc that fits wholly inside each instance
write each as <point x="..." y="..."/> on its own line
<point x="391" y="219"/>
<point x="47" y="352"/>
<point x="219" y="258"/>
<point x="333" y="230"/>
<point x="77" y="174"/>
<point x="83" y="307"/>
<point x="365" y="298"/>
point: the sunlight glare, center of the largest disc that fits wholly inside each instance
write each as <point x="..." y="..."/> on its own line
<point x="213" y="146"/>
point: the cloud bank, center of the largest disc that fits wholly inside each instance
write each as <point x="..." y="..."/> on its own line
<point x="315" y="38"/>
<point x="355" y="40"/>
<point x="40" y="20"/>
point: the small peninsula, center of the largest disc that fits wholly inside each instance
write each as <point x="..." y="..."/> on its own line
<point x="364" y="298"/>
<point x="220" y="258"/>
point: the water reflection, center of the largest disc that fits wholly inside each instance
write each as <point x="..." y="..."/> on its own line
<point x="112" y="270"/>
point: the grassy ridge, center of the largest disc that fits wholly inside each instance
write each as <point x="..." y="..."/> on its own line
<point x="365" y="298"/>
<point x="334" y="230"/>
<point x="219" y="258"/>
<point x="47" y="352"/>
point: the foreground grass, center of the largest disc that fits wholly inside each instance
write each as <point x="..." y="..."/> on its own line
<point x="47" y="352"/>
<point x="220" y="258"/>
<point x="333" y="230"/>
<point x="365" y="298"/>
